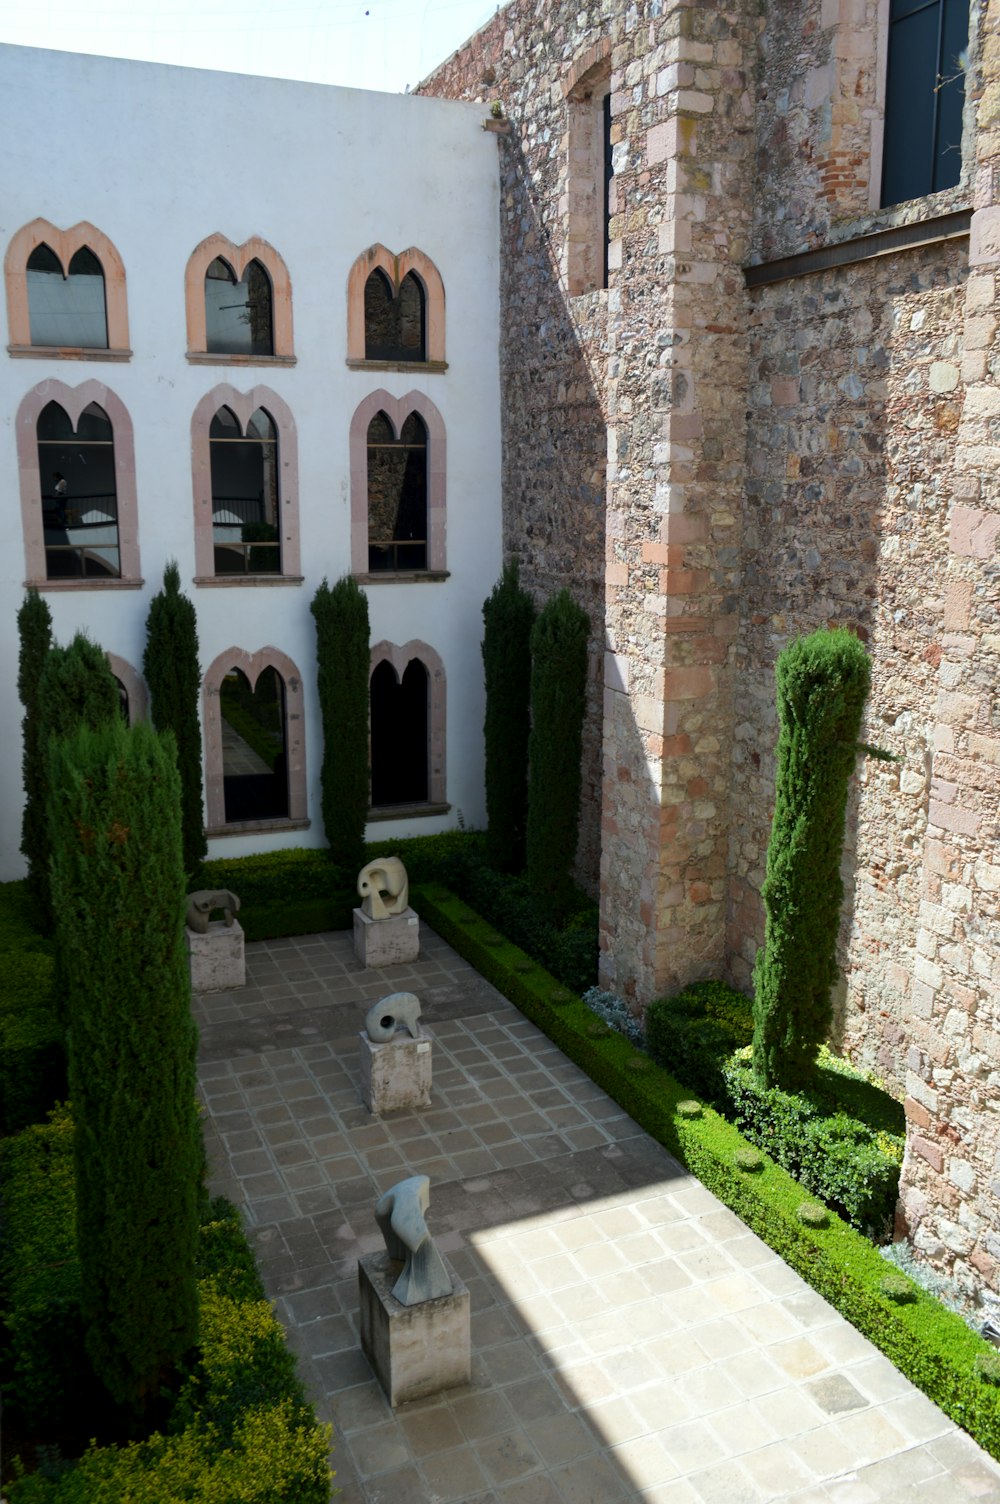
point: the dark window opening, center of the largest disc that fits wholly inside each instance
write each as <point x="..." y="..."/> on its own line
<point x="395" y="325"/>
<point x="397" y="495"/>
<point x="245" y="522"/>
<point x="238" y="314"/>
<point x="79" y="497"/>
<point x="608" y="175"/>
<point x="399" y="745"/>
<point x="122" y="700"/>
<point x="67" y="308"/>
<point x="254" y="747"/>
<point x="924" y="98"/>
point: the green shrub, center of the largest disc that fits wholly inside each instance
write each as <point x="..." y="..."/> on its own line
<point x="240" y="1431"/>
<point x="508" y="617"/>
<point x="342" y="656"/>
<point x="689" y="1109"/>
<point x="693" y="1034"/>
<point x="118" y="891"/>
<point x="822" y="683"/>
<point x="932" y="1346"/>
<point x="897" y="1288"/>
<point x="558" y="699"/>
<point x="34" y="626"/>
<point x="32" y="1048"/>
<point x="812" y="1214"/>
<point x="170" y="666"/>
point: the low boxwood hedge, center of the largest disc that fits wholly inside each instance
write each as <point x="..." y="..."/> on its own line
<point x="932" y="1346"/>
<point x="240" y="1430"/>
<point x="32" y="1051"/>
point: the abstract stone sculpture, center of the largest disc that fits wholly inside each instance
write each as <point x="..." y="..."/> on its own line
<point x="200" y="906"/>
<point x="400" y="1214"/>
<point x="383" y="1019"/>
<point x="387" y="875"/>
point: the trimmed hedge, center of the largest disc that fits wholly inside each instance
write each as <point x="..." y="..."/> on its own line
<point x="32" y="1049"/>
<point x="241" y="1430"/>
<point x="842" y="1138"/>
<point x="932" y="1346"/>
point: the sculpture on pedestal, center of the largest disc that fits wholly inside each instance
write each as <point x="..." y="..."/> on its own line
<point x="383" y="1018"/>
<point x="386" y="877"/>
<point x="201" y="905"/>
<point x="400" y="1214"/>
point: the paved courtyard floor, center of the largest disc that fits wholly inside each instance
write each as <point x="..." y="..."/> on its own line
<point x="632" y="1340"/>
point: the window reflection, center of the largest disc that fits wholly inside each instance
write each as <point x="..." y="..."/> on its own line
<point x="79" y="499"/>
<point x="238" y="317"/>
<point x="254" y="747"/>
<point x="397" y="494"/>
<point x="244" y="469"/>
<point x="395" y="325"/>
<point x="67" y="309"/>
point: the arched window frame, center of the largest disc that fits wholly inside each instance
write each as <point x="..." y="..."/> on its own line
<point x="73" y="400"/>
<point x="239" y="258"/>
<point x="253" y="665"/>
<point x="134" y="686"/>
<point x="396" y="267"/>
<point x="244" y="405"/>
<point x="588" y="253"/>
<point x="397" y="410"/>
<point x="65" y="244"/>
<point x="399" y="656"/>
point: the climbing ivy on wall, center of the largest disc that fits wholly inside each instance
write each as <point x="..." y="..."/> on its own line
<point x="822" y="685"/>
<point x="342" y="655"/>
<point x="508" y="617"/>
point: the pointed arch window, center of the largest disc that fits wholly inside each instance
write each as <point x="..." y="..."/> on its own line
<point x="395" y="321"/>
<point x="395" y="311"/>
<point x="238" y="311"/>
<point x="65" y="293"/>
<point x="79" y="493"/>
<point x="407" y="729"/>
<point x="245" y="506"/>
<point x="397" y="495"/>
<point x="255" y="771"/>
<point x="67" y="307"/>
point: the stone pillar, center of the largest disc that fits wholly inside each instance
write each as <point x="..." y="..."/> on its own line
<point x="951" y="1175"/>
<point x="678" y="361"/>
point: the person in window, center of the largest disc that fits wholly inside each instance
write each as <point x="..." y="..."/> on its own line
<point x="59" y="492"/>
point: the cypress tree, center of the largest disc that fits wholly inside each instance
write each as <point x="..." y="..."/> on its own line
<point x="34" y="626"/>
<point x="508" y="616"/>
<point x="76" y="688"/>
<point x="119" y="890"/>
<point x="342" y="656"/>
<point x="822" y="685"/>
<point x="170" y="666"/>
<point x="558" y="698"/>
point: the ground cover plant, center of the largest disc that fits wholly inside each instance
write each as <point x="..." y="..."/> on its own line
<point x="240" y="1430"/>
<point x="931" y="1345"/>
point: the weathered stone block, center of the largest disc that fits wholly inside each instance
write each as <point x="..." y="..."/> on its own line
<point x="217" y="958"/>
<point x="413" y="1350"/>
<point x="395" y="1074"/>
<point x="386" y="942"/>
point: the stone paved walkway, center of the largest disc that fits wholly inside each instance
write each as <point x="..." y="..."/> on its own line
<point x="632" y="1340"/>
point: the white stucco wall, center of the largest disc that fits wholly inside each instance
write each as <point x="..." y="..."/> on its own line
<point x="158" y="158"/>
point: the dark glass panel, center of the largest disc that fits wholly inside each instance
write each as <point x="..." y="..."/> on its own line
<point x="399" y="721"/>
<point x="225" y="425"/>
<point x="254" y="748"/>
<point x="397" y="495"/>
<point x="924" y="98"/>
<point x="79" y="500"/>
<point x="54" y="423"/>
<point x="261" y="426"/>
<point x="244" y="495"/>
<point x="66" y="311"/>
<point x="94" y="426"/>
<point x="43" y="259"/>
<point x="395" y="327"/>
<point x="238" y="314"/>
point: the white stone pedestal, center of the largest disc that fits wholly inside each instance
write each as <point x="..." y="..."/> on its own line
<point x="413" y="1350"/>
<point x="217" y="958"/>
<point x="386" y="942"/>
<point x="396" y="1073"/>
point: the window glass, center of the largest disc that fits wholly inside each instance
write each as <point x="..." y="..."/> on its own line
<point x="395" y="327"/>
<point x="397" y="495"/>
<point x="238" y="314"/>
<point x="399" y="744"/>
<point x="924" y="98"/>
<point x="244" y="472"/>
<point x="79" y="499"/>
<point x="254" y="747"/>
<point x="66" y="310"/>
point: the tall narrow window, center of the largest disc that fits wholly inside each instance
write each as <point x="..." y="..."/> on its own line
<point x="245" y="518"/>
<point x="924" y="98"/>
<point x="587" y="200"/>
<point x="399" y="742"/>
<point x="394" y="321"/>
<point x="254" y="747"/>
<point x="238" y="313"/>
<point x="397" y="494"/>
<point x="79" y="501"/>
<point x="67" y="308"/>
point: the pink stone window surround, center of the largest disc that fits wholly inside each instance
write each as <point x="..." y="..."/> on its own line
<point x="586" y="85"/>
<point x="399" y="657"/>
<point x="64" y="244"/>
<point x="73" y="400"/>
<point x="252" y="665"/>
<point x="396" y="267"/>
<point x="244" y="405"/>
<point x="397" y="410"/>
<point x="238" y="257"/>
<point x="133" y="685"/>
